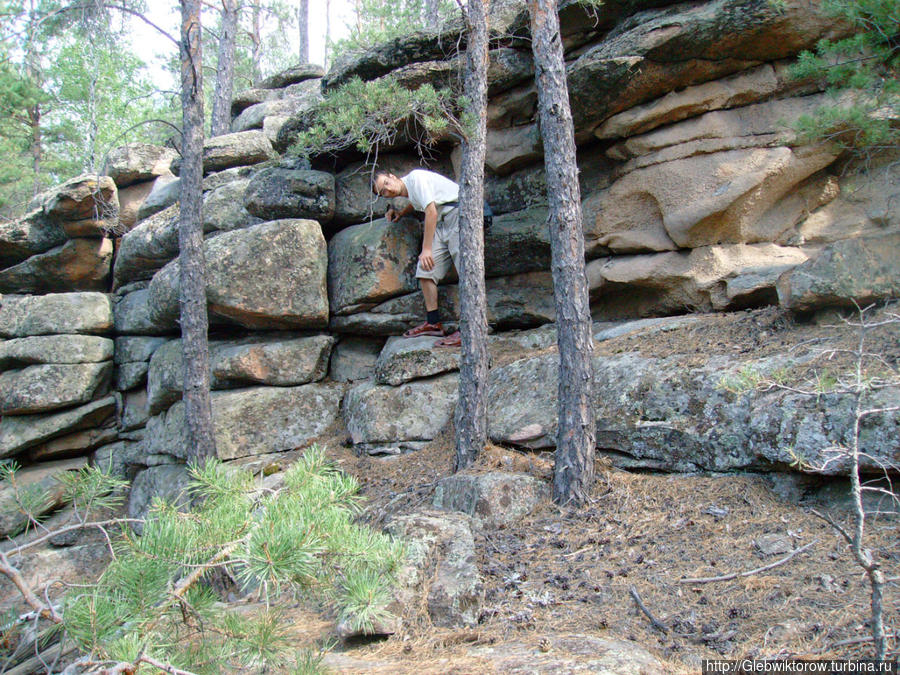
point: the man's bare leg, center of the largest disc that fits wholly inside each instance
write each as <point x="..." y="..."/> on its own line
<point x="430" y="293"/>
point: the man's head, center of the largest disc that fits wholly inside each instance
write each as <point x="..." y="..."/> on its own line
<point x="386" y="184"/>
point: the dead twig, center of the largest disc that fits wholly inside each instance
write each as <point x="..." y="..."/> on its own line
<point x="641" y="606"/>
<point x="735" y="575"/>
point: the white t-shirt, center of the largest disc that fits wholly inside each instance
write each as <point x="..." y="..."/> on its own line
<point x="425" y="187"/>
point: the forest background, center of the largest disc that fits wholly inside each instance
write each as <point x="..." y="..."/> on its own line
<point x="80" y="78"/>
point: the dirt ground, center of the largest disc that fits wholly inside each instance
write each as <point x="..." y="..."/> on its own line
<point x="578" y="570"/>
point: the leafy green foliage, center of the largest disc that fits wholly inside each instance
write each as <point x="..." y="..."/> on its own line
<point x="152" y="599"/>
<point x="382" y="20"/>
<point x="867" y="66"/>
<point x="366" y="115"/>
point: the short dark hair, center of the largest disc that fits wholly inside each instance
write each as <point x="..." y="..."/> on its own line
<point x="380" y="172"/>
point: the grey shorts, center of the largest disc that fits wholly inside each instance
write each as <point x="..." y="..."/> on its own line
<point x="444" y="247"/>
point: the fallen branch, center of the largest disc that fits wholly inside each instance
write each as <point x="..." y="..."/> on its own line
<point x="658" y="625"/>
<point x="735" y="575"/>
<point x="46" y="611"/>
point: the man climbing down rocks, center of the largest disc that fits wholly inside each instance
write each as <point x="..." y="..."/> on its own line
<point x="437" y="197"/>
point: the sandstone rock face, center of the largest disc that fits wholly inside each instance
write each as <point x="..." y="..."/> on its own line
<point x="57" y="313"/>
<point x="27" y="351"/>
<point x="441" y="554"/>
<point x="862" y="270"/>
<point x="372" y="262"/>
<point x="19" y="433"/>
<point x="138" y="162"/>
<point x="669" y="49"/>
<point x="298" y="98"/>
<point x="517" y="242"/>
<point x="134" y="349"/>
<point x="707" y="278"/>
<point x="43" y="479"/>
<point x="79" y="443"/>
<point x="147" y="247"/>
<point x="77" y="265"/>
<point x="669" y="416"/>
<point x="385" y="419"/>
<point x="698" y="201"/>
<point x="270" y="275"/>
<point x="494" y="499"/>
<point x="87" y="196"/>
<point x="32" y="234"/>
<point x="46" y="387"/>
<point x="252" y="421"/>
<point x="405" y="359"/>
<point x="509" y="149"/>
<point x="131" y="199"/>
<point x="243" y="148"/>
<point x="279" y="192"/>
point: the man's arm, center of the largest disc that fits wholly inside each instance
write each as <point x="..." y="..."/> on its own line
<point x="393" y="215"/>
<point x="431" y="217"/>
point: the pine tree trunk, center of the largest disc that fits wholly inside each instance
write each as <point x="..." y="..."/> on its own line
<point x="303" y="21"/>
<point x="194" y="323"/>
<point x="221" y="112"/>
<point x="327" y="33"/>
<point x="574" y="466"/>
<point x="471" y="411"/>
<point x="256" y="40"/>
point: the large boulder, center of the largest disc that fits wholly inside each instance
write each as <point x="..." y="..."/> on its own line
<point x="168" y="482"/>
<point x="252" y="421"/>
<point x="82" y="197"/>
<point x="133" y="316"/>
<point x="494" y="499"/>
<point x="509" y="149"/>
<point x="77" y="265"/>
<point x="674" y="413"/>
<point x="76" y="444"/>
<point x="243" y="148"/>
<point x="706" y="278"/>
<point x="855" y="271"/>
<point x="279" y="360"/>
<point x="665" y="50"/>
<point x="372" y="262"/>
<point x="29" y="235"/>
<point x="223" y="207"/>
<point x="441" y="561"/>
<point x="382" y="418"/>
<point x="28" y="351"/>
<point x="248" y="97"/>
<point x="299" y="98"/>
<point x="299" y="73"/>
<point x="56" y="313"/>
<point x="147" y="247"/>
<point x="270" y="275"/>
<point x="137" y="162"/>
<point x="405" y="359"/>
<point x="281" y="192"/>
<point x="49" y="386"/>
<point x="517" y="242"/>
<point x="18" y="433"/>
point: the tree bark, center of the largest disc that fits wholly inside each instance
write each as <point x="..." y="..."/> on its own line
<point x="303" y="24"/>
<point x="575" y="444"/>
<point x="221" y="112"/>
<point x="256" y="40"/>
<point x="194" y="321"/>
<point x="471" y="411"/>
